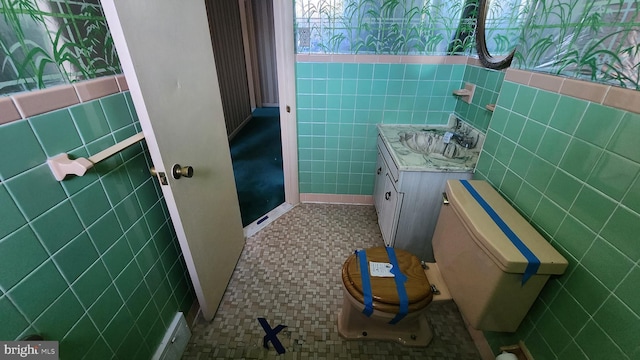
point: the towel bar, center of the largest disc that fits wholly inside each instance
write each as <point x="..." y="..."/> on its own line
<point x="62" y="166"/>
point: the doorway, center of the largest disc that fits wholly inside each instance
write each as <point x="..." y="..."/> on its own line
<point x="243" y="40"/>
<point x="256" y="155"/>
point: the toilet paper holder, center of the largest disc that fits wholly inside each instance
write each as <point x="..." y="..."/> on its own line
<point x="517" y="351"/>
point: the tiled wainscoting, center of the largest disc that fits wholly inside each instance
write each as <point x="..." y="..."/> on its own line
<point x="568" y="159"/>
<point x="91" y="261"/>
<point x="341" y="98"/>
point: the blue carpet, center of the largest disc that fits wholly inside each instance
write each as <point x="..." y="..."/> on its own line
<point x="256" y="154"/>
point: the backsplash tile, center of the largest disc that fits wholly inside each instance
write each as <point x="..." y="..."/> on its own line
<point x="56" y="131"/>
<point x="78" y="256"/>
<point x="38" y="290"/>
<point x="116" y="258"/>
<point x="488" y="84"/>
<point x="611" y="165"/>
<point x="90" y="120"/>
<point x="21" y="252"/>
<point x="568" y="311"/>
<point x="91" y="284"/>
<point x="12" y="320"/>
<point x="35" y="191"/>
<point x="621" y="229"/>
<point x="116" y="111"/>
<point x="598" y="124"/>
<point x="632" y="198"/>
<point x="56" y="324"/>
<point x="627" y="291"/>
<point x="339" y="105"/>
<point x="64" y="220"/>
<point x="568" y="165"/>
<point x="75" y="257"/>
<point x="625" y="139"/>
<point x="117" y="185"/>
<point x="106" y="231"/>
<point x="11" y="218"/>
<point x="619" y="323"/>
<point x="90" y="203"/>
<point x="105" y="307"/>
<point x="19" y="149"/>
<point x="130" y="277"/>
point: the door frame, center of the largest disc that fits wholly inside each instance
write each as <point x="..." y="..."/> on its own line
<point x="283" y="13"/>
<point x="249" y="45"/>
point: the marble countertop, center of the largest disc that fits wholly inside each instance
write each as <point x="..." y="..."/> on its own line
<point x="409" y="160"/>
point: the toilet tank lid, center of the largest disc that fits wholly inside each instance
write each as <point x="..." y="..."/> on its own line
<point x="492" y="239"/>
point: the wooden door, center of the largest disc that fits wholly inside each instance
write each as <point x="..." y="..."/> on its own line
<point x="165" y="51"/>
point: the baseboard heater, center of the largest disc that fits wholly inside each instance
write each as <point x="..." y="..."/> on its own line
<point x="175" y="340"/>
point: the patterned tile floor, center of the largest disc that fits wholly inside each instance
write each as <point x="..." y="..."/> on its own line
<point x="289" y="273"/>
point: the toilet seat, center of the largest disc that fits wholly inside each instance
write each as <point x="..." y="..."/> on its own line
<point x="383" y="289"/>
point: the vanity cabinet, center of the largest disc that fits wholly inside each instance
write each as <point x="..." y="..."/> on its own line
<point x="408" y="202"/>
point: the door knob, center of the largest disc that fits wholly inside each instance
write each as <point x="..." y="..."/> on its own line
<point x="179" y="171"/>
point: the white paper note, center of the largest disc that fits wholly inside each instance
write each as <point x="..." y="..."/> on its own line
<point x="380" y="269"/>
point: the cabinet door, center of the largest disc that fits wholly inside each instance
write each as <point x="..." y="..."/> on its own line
<point x="378" y="189"/>
<point x="388" y="216"/>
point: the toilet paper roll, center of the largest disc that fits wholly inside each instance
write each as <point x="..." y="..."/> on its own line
<point x="506" y="356"/>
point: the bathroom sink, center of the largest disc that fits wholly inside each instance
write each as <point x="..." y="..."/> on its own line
<point x="435" y="144"/>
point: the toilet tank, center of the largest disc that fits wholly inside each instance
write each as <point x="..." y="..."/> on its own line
<point x="474" y="245"/>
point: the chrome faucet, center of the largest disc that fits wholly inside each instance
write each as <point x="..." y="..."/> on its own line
<point x="465" y="141"/>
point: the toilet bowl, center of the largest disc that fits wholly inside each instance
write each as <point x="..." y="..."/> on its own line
<point x="386" y="319"/>
<point x="489" y="260"/>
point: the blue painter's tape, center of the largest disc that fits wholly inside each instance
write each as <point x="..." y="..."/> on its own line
<point x="272" y="335"/>
<point x="366" y="282"/>
<point x="533" y="263"/>
<point x="400" y="279"/>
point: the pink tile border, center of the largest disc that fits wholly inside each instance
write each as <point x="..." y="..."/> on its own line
<point x="337" y="199"/>
<point x="8" y="111"/>
<point x="416" y="60"/>
<point x="342" y="58"/>
<point x="519" y="76"/>
<point x="96" y="88"/>
<point x="383" y="59"/>
<point x="42" y="101"/>
<point x="593" y="92"/>
<point x="621" y="98"/>
<point x="473" y="61"/>
<point x="546" y="82"/>
<point x="370" y="59"/>
<point x="122" y="83"/>
<point x="456" y="60"/>
<point x="613" y="96"/>
<point x="23" y="105"/>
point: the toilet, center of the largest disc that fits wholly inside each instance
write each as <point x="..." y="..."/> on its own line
<point x="489" y="260"/>
<point x="413" y="329"/>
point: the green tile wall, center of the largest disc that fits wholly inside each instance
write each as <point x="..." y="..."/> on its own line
<point x="339" y="105"/>
<point x="488" y="84"/>
<point x="571" y="167"/>
<point x="93" y="261"/>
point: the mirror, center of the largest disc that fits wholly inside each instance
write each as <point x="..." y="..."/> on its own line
<point x="481" y="43"/>
<point x="499" y="29"/>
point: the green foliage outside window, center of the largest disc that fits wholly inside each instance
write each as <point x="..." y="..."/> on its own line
<point x="46" y="43"/>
